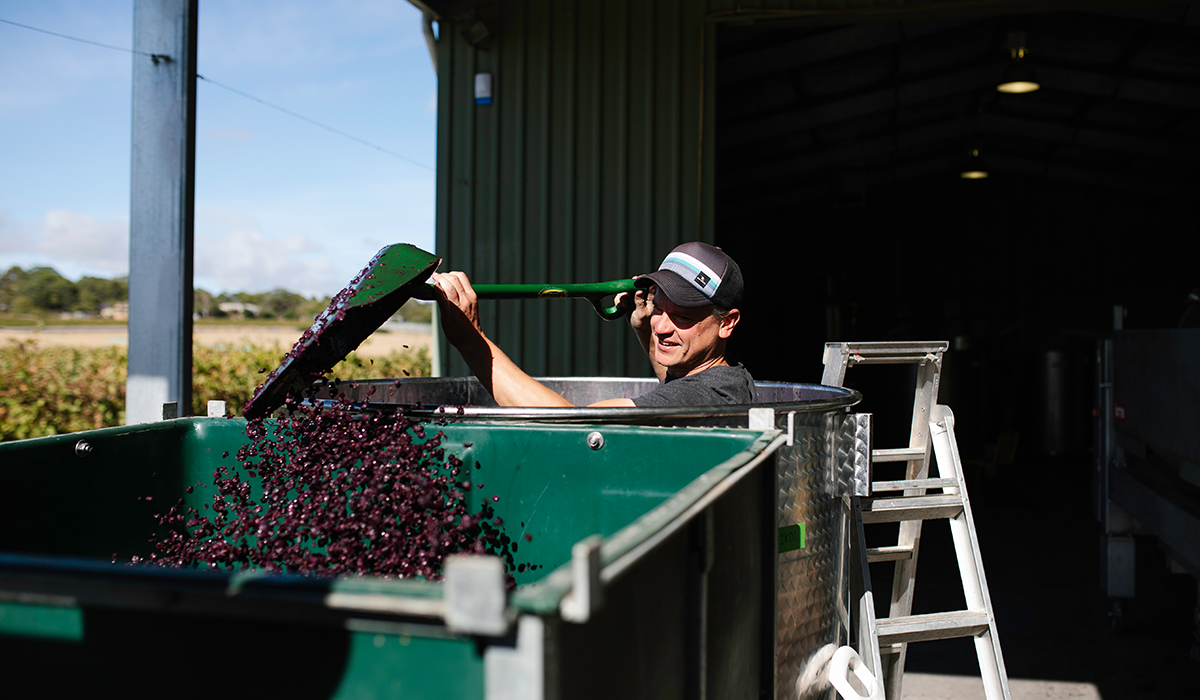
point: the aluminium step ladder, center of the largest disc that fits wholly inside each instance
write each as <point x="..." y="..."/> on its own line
<point x="884" y="642"/>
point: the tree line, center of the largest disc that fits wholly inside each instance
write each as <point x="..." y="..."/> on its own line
<point x="41" y="291"/>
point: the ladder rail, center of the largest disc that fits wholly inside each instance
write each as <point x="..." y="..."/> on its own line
<point x="868" y="633"/>
<point x="970" y="562"/>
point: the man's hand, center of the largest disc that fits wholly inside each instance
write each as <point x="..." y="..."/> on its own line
<point x="459" y="308"/>
<point x="640" y="306"/>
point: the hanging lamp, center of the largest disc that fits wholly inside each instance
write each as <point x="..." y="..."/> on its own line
<point x="1018" y="77"/>
<point x="973" y="167"/>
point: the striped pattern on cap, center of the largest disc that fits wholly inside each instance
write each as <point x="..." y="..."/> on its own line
<point x="701" y="276"/>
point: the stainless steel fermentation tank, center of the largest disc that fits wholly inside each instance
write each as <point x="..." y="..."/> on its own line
<point x="1147" y="451"/>
<point x="803" y="497"/>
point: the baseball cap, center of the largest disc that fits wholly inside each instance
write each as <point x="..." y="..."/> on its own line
<point x="698" y="274"/>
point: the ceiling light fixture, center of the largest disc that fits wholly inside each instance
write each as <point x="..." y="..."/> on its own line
<point x="974" y="168"/>
<point x="1018" y="76"/>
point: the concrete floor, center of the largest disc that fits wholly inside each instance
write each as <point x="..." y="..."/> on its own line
<point x="932" y="686"/>
<point x="1040" y="550"/>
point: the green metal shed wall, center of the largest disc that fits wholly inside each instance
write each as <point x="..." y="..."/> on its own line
<point x="584" y="168"/>
<point x="588" y="166"/>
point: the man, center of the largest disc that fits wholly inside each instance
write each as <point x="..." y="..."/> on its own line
<point x="683" y="314"/>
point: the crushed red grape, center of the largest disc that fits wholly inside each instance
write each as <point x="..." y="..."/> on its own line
<point x="337" y="493"/>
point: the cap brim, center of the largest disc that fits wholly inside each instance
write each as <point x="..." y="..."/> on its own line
<point x="677" y="289"/>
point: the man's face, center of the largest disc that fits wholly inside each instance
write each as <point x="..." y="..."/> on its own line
<point x="688" y="340"/>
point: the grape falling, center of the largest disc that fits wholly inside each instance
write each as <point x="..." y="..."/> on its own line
<point x="341" y="493"/>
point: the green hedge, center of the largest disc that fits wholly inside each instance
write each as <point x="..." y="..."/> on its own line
<point x="48" y="391"/>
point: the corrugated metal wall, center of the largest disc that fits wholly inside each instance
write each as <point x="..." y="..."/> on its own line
<point x="588" y="165"/>
<point x="584" y="168"/>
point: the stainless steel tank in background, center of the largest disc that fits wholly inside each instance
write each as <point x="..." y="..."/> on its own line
<point x="804" y="495"/>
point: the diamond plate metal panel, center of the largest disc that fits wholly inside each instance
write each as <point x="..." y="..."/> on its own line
<point x="854" y="454"/>
<point x="811" y="593"/>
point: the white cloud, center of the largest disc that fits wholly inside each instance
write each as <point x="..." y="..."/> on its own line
<point x="71" y="241"/>
<point x="233" y="254"/>
<point x="327" y="231"/>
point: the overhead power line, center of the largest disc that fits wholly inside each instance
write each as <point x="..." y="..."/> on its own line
<point x="156" y="57"/>
<point x="314" y="122"/>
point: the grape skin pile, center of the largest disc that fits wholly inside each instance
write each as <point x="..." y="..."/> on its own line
<point x="342" y="493"/>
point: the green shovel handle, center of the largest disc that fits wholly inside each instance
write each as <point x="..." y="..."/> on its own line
<point x="594" y="292"/>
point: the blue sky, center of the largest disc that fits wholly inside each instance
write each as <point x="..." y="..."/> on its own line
<point x="279" y="203"/>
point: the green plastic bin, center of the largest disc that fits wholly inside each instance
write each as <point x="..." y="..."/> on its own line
<point x="670" y="596"/>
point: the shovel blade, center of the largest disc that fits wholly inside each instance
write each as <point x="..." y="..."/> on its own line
<point x="371" y="298"/>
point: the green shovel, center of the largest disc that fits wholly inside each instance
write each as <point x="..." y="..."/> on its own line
<point x="396" y="274"/>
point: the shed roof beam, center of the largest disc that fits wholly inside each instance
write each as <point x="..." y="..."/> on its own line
<point x="850" y="40"/>
<point x="859" y="153"/>
<point x="968" y="80"/>
<point x="740" y="207"/>
<point x="1154" y="92"/>
<point x="1179" y="15"/>
<point x="823" y="47"/>
<point x="944" y="166"/>
<point x="885" y="100"/>
<point x="1091" y="138"/>
<point x="1087" y="176"/>
<point x="880" y="147"/>
<point x="923" y="11"/>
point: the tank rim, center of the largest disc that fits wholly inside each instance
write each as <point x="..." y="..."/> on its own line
<point x="844" y="398"/>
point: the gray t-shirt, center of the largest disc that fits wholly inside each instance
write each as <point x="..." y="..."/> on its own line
<point x="713" y="386"/>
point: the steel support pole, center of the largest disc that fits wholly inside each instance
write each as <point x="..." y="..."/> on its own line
<point x="162" y="197"/>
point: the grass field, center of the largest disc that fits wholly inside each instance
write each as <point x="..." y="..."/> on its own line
<point x="54" y="389"/>
<point x="35" y="322"/>
<point x="54" y="321"/>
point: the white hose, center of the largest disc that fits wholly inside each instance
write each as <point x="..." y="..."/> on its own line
<point x="846" y="661"/>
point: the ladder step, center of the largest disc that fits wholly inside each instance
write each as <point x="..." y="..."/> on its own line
<point x="897" y="359"/>
<point x="906" y="484"/>
<point x="923" y="628"/>
<point x="899" y="454"/>
<point x="893" y="553"/>
<point x="895" y="509"/>
<point x="884" y="347"/>
<point x="887" y="352"/>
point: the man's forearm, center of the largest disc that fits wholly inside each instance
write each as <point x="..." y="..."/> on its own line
<point x="504" y="380"/>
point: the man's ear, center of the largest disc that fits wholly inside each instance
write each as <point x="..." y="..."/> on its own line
<point x="727" y="324"/>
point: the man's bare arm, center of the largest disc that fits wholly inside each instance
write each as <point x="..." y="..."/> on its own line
<point x="504" y="380"/>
